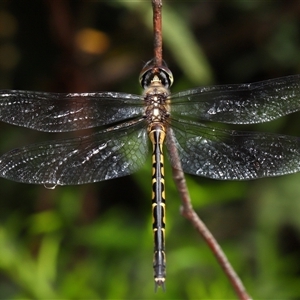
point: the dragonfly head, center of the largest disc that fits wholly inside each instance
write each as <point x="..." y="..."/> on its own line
<point x="149" y="71"/>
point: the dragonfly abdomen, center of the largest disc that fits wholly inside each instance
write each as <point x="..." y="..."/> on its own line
<point x="157" y="136"/>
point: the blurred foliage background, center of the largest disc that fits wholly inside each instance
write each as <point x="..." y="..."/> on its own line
<point x="95" y="241"/>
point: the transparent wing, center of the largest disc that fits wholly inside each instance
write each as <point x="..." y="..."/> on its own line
<point x="239" y="103"/>
<point x="55" y="112"/>
<point x="107" y="154"/>
<point x="238" y="155"/>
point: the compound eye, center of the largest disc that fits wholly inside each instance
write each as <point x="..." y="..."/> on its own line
<point x="145" y="75"/>
<point x="169" y="79"/>
<point x="162" y="72"/>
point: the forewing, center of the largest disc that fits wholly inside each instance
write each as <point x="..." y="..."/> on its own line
<point x="237" y="155"/>
<point x="239" y="103"/>
<point x="55" y="112"/>
<point x="107" y="154"/>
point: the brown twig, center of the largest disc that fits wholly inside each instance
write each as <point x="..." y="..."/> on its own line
<point x="187" y="209"/>
<point x="188" y="212"/>
<point x="157" y="30"/>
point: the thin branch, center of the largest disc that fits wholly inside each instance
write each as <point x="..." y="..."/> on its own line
<point x="157" y="30"/>
<point x="188" y="212"/>
<point x="178" y="175"/>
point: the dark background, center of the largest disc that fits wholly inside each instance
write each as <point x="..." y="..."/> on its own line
<point x="95" y="241"/>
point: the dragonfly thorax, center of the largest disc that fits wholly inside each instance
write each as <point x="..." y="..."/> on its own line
<point x="157" y="110"/>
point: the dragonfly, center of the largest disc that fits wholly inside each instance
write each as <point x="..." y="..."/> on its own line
<point x="129" y="124"/>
